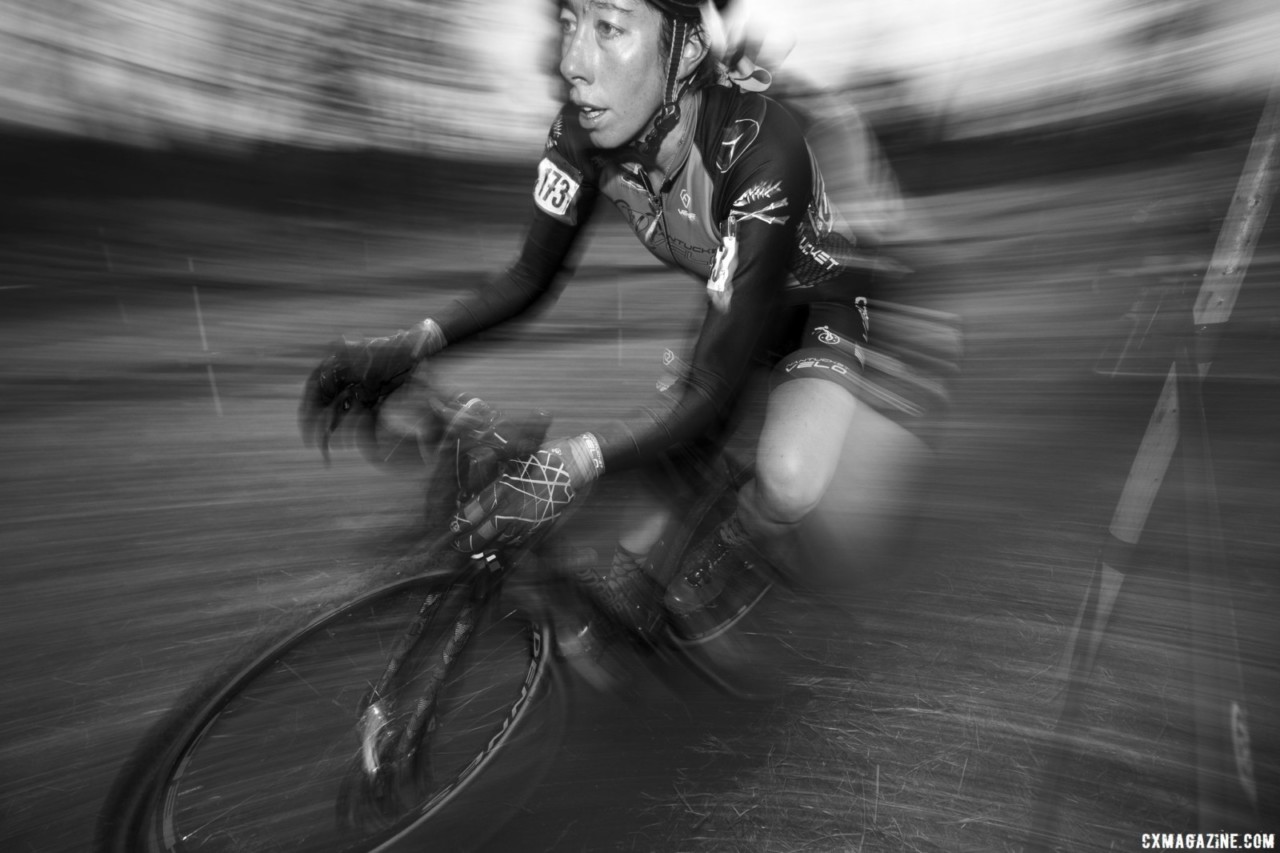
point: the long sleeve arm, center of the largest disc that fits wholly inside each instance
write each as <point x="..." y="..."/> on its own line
<point x="546" y="247"/>
<point x="765" y="195"/>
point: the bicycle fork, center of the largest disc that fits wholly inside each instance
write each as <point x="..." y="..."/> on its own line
<point x="384" y="748"/>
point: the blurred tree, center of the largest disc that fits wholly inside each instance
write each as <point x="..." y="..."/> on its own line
<point x="335" y="71"/>
<point x="1167" y="37"/>
<point x="1161" y="24"/>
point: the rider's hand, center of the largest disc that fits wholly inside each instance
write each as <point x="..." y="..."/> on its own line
<point x="529" y="496"/>
<point x="366" y="372"/>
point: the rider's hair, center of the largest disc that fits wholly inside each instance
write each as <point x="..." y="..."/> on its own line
<point x="708" y="71"/>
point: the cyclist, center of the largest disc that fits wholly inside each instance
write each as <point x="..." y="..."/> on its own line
<point x="716" y="180"/>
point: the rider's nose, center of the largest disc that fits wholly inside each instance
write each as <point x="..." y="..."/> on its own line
<point x="575" y="62"/>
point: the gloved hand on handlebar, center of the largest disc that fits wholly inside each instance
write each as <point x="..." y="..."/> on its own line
<point x="529" y="496"/>
<point x="365" y="372"/>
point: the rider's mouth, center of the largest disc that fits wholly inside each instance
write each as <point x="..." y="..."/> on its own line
<point x="588" y="114"/>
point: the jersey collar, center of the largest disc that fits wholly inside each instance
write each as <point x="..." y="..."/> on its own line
<point x="628" y="159"/>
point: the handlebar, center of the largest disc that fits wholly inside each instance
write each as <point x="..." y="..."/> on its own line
<point x="424" y="424"/>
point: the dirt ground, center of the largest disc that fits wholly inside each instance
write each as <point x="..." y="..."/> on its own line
<point x="159" y="507"/>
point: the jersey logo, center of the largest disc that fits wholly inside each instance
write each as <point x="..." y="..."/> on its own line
<point x="642" y="222"/>
<point x="762" y="190"/>
<point x="556" y="189"/>
<point x="686" y="202"/>
<point x="762" y="214"/>
<point x="735" y="141"/>
<point x="758" y="202"/>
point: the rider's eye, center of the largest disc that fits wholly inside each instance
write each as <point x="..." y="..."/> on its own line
<point x="567" y="24"/>
<point x="607" y="30"/>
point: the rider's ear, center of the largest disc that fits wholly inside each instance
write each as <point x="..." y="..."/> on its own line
<point x="695" y="50"/>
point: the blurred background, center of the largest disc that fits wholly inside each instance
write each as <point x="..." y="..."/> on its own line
<point x="463" y="78"/>
<point x="195" y="195"/>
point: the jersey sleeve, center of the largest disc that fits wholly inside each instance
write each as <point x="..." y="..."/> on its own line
<point x="764" y="179"/>
<point x="564" y="195"/>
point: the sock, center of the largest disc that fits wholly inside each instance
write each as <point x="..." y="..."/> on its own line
<point x="626" y="561"/>
<point x="624" y="589"/>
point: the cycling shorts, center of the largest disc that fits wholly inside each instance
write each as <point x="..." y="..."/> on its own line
<point x="830" y="343"/>
<point x="897" y="358"/>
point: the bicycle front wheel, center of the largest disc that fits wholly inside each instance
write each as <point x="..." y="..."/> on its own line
<point x="264" y="761"/>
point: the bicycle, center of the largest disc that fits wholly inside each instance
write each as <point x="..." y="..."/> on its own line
<point x="396" y="717"/>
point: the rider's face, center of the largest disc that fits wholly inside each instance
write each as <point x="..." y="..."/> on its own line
<point x="611" y="57"/>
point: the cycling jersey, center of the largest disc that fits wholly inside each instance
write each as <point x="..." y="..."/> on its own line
<point x="744" y="212"/>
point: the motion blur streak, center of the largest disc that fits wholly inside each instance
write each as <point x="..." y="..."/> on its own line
<point x="306" y="169"/>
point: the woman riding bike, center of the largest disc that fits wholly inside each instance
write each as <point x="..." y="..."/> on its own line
<point x="716" y="180"/>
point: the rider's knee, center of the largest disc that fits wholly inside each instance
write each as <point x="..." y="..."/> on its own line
<point x="789" y="485"/>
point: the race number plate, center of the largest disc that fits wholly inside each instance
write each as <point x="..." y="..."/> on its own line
<point x="556" y="189"/>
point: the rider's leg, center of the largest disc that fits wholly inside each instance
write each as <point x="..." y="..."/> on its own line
<point x="626" y="588"/>
<point x="623" y="589"/>
<point x="806" y="426"/>
<point x="648" y="518"/>
<point x="805" y="429"/>
<point x="829" y="462"/>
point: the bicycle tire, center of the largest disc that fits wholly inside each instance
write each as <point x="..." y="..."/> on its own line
<point x="250" y="761"/>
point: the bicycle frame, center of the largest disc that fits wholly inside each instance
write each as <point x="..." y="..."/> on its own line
<point x="471" y="454"/>
<point x="470" y="441"/>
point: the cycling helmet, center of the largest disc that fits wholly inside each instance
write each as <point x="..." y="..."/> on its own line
<point x="691" y="9"/>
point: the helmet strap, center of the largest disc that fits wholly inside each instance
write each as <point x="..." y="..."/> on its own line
<point x="668" y="115"/>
